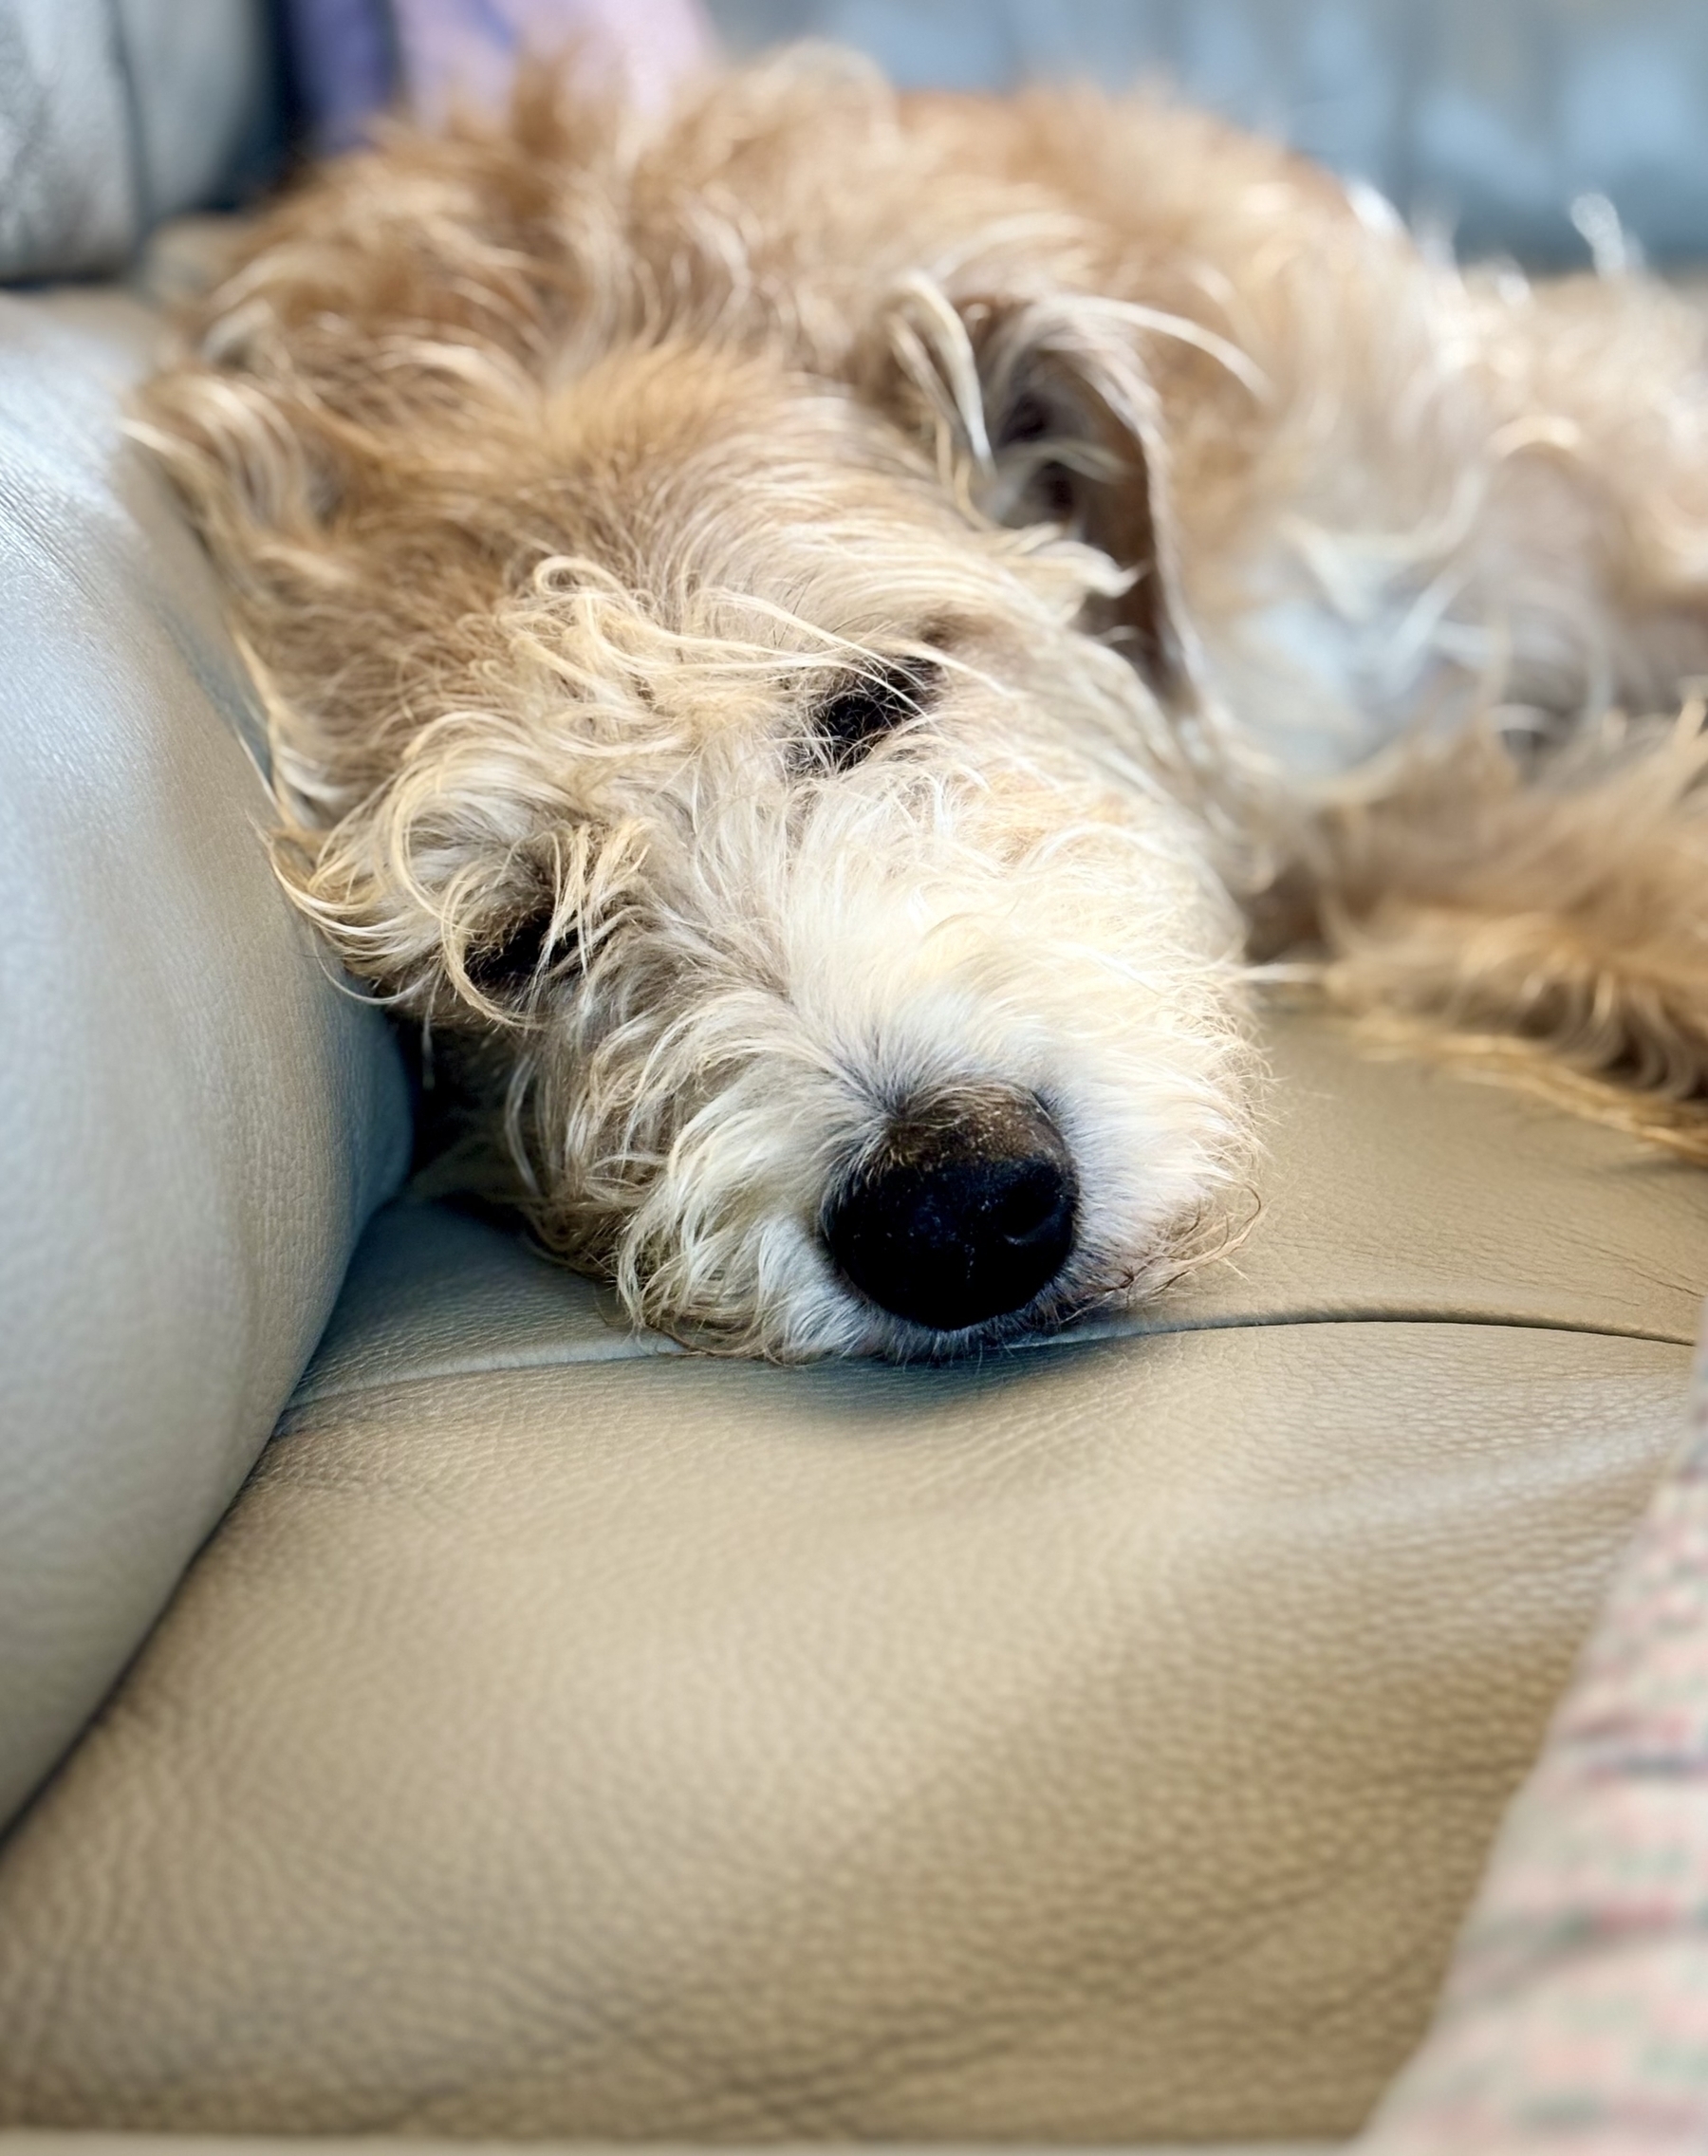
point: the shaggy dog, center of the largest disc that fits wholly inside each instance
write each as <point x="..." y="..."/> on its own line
<point x="815" y="635"/>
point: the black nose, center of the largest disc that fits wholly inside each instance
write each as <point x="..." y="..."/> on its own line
<point x="963" y="1213"/>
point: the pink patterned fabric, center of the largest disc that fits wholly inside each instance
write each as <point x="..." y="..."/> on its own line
<point x="465" y="51"/>
<point x="1575" y="2016"/>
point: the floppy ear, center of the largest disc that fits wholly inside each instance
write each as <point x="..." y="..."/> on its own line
<point x="1042" y="413"/>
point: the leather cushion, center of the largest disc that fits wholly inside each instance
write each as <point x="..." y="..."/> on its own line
<point x="24" y="2143"/>
<point x="67" y="2144"/>
<point x="193" y="1120"/>
<point x="564" y="1737"/>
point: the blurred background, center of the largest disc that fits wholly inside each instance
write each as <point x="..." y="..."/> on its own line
<point x="1490" y="117"/>
<point x="1543" y="129"/>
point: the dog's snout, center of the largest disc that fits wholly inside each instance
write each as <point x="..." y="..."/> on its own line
<point x="965" y="1213"/>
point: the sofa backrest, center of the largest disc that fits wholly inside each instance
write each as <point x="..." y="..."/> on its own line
<point x="117" y="113"/>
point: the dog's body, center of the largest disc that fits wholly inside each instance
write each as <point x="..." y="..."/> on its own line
<point x="809" y="634"/>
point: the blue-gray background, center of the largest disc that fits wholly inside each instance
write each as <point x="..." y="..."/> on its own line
<point x="1489" y="117"/>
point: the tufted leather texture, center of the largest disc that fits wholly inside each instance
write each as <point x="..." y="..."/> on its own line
<point x="568" y="1737"/>
<point x="193" y="1120"/>
<point x="115" y="113"/>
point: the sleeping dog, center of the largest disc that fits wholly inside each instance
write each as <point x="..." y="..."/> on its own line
<point x="812" y="638"/>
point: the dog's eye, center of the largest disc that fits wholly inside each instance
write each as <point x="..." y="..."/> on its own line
<point x="1028" y="421"/>
<point x="849" y="724"/>
<point x="502" y="968"/>
<point x="1050" y="495"/>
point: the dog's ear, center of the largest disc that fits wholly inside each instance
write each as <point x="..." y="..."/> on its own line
<point x="1041" y="412"/>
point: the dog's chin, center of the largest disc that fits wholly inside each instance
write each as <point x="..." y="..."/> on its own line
<point x="1052" y="1315"/>
<point x="1088" y="1295"/>
<point x="827" y="1317"/>
<point x="860" y="1328"/>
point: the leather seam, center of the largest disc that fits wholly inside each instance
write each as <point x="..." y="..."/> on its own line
<point x="403" y="1381"/>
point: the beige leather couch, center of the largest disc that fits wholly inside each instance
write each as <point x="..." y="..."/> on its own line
<point x="547" y="1734"/>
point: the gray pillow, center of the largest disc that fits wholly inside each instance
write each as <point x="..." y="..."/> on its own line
<point x="117" y="113"/>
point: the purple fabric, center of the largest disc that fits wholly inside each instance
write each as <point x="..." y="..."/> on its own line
<point x="344" y="62"/>
<point x="353" y="58"/>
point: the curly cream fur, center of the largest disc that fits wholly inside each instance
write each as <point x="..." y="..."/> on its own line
<point x="560" y="473"/>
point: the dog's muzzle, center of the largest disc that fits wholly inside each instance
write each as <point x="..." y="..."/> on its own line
<point x="964" y="1211"/>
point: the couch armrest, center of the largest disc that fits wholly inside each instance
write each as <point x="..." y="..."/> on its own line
<point x="194" y="1120"/>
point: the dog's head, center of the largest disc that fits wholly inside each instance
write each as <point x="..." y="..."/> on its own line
<point x="703" y="740"/>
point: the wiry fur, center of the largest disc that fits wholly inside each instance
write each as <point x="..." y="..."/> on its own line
<point x="1227" y="550"/>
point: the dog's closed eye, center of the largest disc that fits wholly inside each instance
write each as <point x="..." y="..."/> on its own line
<point x="849" y="724"/>
<point x="1051" y="490"/>
<point x="519" y="952"/>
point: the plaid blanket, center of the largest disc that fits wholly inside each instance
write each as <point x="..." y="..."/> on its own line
<point x="1576" y="2012"/>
